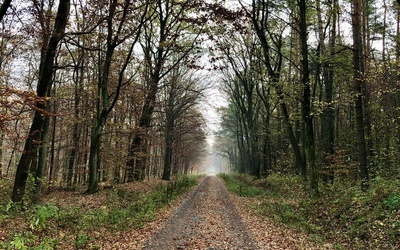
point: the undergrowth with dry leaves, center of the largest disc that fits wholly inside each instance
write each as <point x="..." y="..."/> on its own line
<point x="70" y="220"/>
<point x="342" y="217"/>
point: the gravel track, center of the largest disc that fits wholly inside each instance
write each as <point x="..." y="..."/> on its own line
<point x="206" y="220"/>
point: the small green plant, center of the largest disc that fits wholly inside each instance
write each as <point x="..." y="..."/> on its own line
<point x="69" y="217"/>
<point x="8" y="209"/>
<point x="42" y="215"/>
<point x="392" y="203"/>
<point x="19" y="242"/>
<point x="239" y="185"/>
<point x="48" y="243"/>
<point x="81" y="240"/>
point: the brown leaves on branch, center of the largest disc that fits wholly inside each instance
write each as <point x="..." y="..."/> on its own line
<point x="16" y="103"/>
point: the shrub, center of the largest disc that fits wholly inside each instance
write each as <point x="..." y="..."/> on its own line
<point x="392" y="203"/>
<point x="81" y="240"/>
<point x="42" y="214"/>
<point x="240" y="184"/>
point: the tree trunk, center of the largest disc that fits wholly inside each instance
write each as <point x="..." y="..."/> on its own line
<point x="168" y="152"/>
<point x="327" y="117"/>
<point x="75" y="130"/>
<point x="103" y="104"/>
<point x="358" y="88"/>
<point x="300" y="161"/>
<point x="306" y="105"/>
<point x="94" y="155"/>
<point x="52" y="169"/>
<point x="1" y="153"/>
<point x="138" y="148"/>
<point x="41" y="161"/>
<point x="3" y="9"/>
<point x="273" y="67"/>
<point x="44" y="83"/>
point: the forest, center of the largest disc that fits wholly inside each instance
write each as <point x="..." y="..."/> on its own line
<point x="98" y="94"/>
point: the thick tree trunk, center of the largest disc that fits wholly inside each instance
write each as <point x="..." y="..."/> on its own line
<point x="44" y="84"/>
<point x="4" y="7"/>
<point x="94" y="155"/>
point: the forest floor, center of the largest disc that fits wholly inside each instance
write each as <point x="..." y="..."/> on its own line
<point x="197" y="212"/>
<point x="206" y="220"/>
<point x="205" y="217"/>
<point x="213" y="218"/>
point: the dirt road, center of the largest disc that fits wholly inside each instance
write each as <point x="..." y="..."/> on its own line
<point x="206" y="220"/>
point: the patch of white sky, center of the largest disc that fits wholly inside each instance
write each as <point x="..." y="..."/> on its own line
<point x="20" y="46"/>
<point x="214" y="98"/>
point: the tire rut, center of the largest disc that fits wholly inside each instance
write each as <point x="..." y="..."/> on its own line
<point x="206" y="220"/>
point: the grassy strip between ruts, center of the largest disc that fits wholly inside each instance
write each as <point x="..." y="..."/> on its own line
<point x="72" y="223"/>
<point x="342" y="217"/>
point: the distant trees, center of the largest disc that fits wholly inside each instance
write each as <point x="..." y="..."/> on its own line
<point x="114" y="93"/>
<point x="100" y="79"/>
<point x="250" y="103"/>
<point x="182" y="93"/>
<point x="168" y="40"/>
<point x="314" y="116"/>
<point x="124" y="22"/>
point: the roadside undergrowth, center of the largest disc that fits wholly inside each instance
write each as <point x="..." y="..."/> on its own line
<point x="240" y="184"/>
<point x="342" y="217"/>
<point x="70" y="220"/>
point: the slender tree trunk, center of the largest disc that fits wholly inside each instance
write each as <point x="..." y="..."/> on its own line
<point x="169" y="130"/>
<point x="168" y="152"/>
<point x="1" y="153"/>
<point x="273" y="67"/>
<point x="75" y="130"/>
<point x="138" y="148"/>
<point x="45" y="77"/>
<point x="330" y="113"/>
<point x="103" y="111"/>
<point x="358" y="85"/>
<point x="53" y="145"/>
<point x="41" y="161"/>
<point x="300" y="161"/>
<point x="306" y="105"/>
<point x="366" y="47"/>
<point x="327" y="117"/>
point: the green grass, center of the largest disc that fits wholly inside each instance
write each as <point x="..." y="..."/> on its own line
<point x="240" y="184"/>
<point x="43" y="226"/>
<point x="343" y="215"/>
<point x="123" y="212"/>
